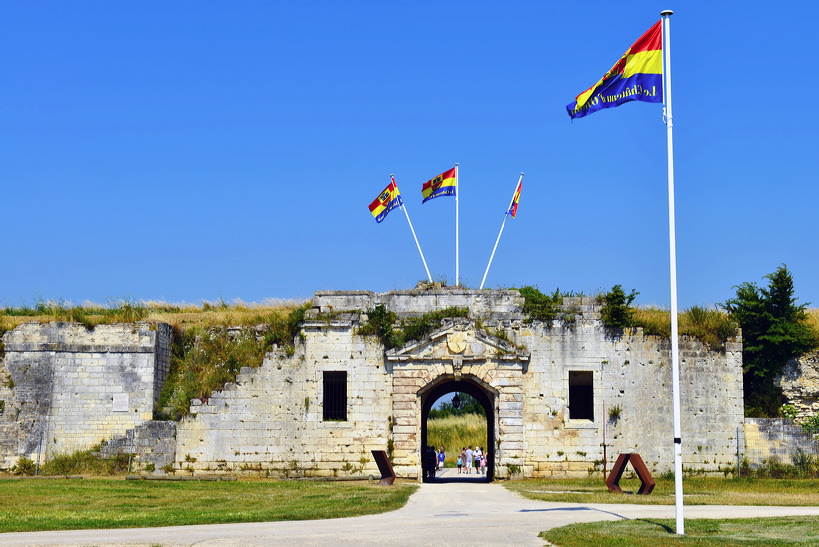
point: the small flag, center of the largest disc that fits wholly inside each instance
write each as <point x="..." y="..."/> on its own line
<point x="386" y="201"/>
<point x="444" y="184"/>
<point x="637" y="76"/>
<point x="513" y="209"/>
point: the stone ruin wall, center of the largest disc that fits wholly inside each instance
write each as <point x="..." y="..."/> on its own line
<point x="270" y="421"/>
<point x="800" y="385"/>
<point x="632" y="373"/>
<point x="783" y="439"/>
<point x="66" y="388"/>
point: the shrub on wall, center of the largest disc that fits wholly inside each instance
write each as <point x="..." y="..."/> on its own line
<point x="539" y="306"/>
<point x="616" y="311"/>
<point x="393" y="333"/>
<point x="205" y="358"/>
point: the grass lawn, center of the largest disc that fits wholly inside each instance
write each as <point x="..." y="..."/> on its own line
<point x="725" y="532"/>
<point x="45" y="504"/>
<point x="696" y="491"/>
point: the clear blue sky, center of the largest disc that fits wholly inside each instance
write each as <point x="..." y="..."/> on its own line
<point x="189" y="151"/>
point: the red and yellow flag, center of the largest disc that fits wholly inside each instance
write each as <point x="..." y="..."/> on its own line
<point x="636" y="76"/>
<point x="513" y="208"/>
<point x="444" y="184"/>
<point x="386" y="201"/>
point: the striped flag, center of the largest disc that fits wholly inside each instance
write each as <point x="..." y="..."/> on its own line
<point x="386" y="201"/>
<point x="513" y="208"/>
<point x="636" y="76"/>
<point x="444" y="184"/>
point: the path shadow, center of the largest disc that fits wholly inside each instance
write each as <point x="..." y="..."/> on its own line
<point x="460" y="479"/>
<point x="622" y="517"/>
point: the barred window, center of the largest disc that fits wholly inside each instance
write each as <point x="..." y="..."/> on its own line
<point x="335" y="395"/>
<point x="581" y="395"/>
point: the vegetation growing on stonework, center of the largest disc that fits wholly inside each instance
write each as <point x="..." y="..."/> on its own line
<point x="710" y="325"/>
<point x="205" y="358"/>
<point x="539" y="306"/>
<point x="380" y="323"/>
<point x="117" y="311"/>
<point x="415" y="328"/>
<point x="617" y="312"/>
<point x="393" y="333"/>
<point x="127" y="310"/>
<point x="775" y="329"/>
<point x="211" y="341"/>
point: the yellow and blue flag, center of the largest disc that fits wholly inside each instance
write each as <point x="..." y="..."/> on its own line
<point x="444" y="184"/>
<point x="513" y="208"/>
<point x="386" y="201"/>
<point x="637" y="76"/>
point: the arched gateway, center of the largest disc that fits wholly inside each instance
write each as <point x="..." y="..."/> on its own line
<point x="459" y="356"/>
<point x="484" y="394"/>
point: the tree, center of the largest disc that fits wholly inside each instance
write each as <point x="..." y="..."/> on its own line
<point x="616" y="311"/>
<point x="774" y="330"/>
<point x="469" y="405"/>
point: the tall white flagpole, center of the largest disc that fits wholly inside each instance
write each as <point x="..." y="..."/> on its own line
<point x="675" y="349"/>
<point x="505" y="216"/>
<point x="403" y="208"/>
<point x="457" y="255"/>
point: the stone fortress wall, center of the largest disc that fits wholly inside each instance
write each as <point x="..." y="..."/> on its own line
<point x="65" y="388"/>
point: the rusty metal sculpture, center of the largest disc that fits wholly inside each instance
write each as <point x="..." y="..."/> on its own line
<point x="646" y="482"/>
<point x="384" y="467"/>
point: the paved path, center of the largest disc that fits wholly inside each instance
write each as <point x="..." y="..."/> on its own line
<point x="456" y="513"/>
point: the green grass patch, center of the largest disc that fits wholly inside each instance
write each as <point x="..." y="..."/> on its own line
<point x="37" y="505"/>
<point x="717" y="532"/>
<point x="696" y="490"/>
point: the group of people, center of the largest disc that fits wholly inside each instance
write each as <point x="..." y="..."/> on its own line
<point x="466" y="461"/>
<point x="469" y="459"/>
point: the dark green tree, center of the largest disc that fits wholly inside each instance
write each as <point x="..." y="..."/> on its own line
<point x="774" y="330"/>
<point x="616" y="311"/>
<point x="469" y="405"/>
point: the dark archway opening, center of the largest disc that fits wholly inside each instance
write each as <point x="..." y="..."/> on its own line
<point x="484" y="398"/>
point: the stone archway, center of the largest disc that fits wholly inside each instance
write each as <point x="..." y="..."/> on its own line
<point x="484" y="366"/>
<point x="484" y="394"/>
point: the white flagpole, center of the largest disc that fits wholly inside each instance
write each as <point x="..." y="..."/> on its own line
<point x="675" y="350"/>
<point x="505" y="216"/>
<point x="457" y="255"/>
<point x="403" y="208"/>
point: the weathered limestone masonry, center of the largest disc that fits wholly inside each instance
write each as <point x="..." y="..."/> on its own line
<point x="800" y="384"/>
<point x="776" y="439"/>
<point x="65" y="388"/>
<point x="631" y="384"/>
<point x="271" y="420"/>
<point x="554" y="393"/>
<point x="533" y="376"/>
<point x="783" y="440"/>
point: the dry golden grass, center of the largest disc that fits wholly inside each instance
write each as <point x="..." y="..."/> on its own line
<point x="813" y="320"/>
<point x="184" y="314"/>
<point x="455" y="433"/>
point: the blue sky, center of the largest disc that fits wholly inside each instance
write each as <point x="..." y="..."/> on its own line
<point x="193" y="151"/>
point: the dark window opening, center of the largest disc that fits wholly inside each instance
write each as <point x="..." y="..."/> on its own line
<point x="581" y="396"/>
<point x="335" y="395"/>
